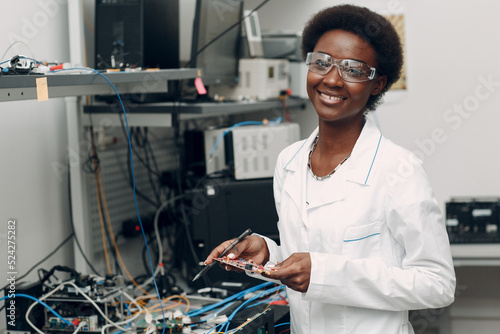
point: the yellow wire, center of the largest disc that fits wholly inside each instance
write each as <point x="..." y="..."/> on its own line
<point x="154" y="307"/>
<point x="169" y="299"/>
<point x="108" y="218"/>
<point x="100" y="191"/>
<point x="97" y="171"/>
<point x="87" y="21"/>
<point x="180" y="297"/>
<point x="106" y="256"/>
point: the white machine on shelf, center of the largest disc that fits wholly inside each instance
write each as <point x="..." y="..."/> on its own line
<point x="251" y="150"/>
<point x="259" y="79"/>
<point x="298" y="79"/>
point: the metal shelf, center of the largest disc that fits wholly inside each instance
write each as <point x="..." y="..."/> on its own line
<point x="159" y="114"/>
<point x="205" y="108"/>
<point x="63" y="84"/>
<point x="476" y="254"/>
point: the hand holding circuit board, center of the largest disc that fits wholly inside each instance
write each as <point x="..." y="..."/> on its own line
<point x="245" y="247"/>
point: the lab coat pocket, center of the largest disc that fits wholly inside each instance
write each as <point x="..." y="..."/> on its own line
<point x="362" y="241"/>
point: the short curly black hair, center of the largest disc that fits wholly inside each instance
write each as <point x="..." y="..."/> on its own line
<point x="372" y="27"/>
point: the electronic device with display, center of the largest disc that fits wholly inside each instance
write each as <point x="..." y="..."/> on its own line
<point x="216" y="40"/>
<point x="473" y="220"/>
<point x="138" y="34"/>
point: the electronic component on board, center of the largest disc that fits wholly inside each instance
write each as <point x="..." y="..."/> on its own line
<point x="246" y="265"/>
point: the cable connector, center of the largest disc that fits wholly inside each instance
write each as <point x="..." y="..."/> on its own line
<point x="285" y="93"/>
<point x="21" y="64"/>
<point x="63" y="66"/>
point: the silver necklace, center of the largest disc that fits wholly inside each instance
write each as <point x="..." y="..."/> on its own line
<point x="321" y="178"/>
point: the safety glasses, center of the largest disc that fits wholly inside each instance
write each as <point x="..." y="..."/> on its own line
<point x="349" y="70"/>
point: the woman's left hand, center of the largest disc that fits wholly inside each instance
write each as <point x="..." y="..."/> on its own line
<point x="294" y="272"/>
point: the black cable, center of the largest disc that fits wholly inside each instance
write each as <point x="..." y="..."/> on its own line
<point x="156" y="173"/>
<point x="188" y="64"/>
<point x="73" y="225"/>
<point x="74" y="274"/>
<point x="68" y="238"/>
<point x="190" y="241"/>
<point x="152" y="156"/>
<point x="150" y="149"/>
<point x="137" y="191"/>
<point x="144" y="259"/>
<point x="144" y="144"/>
<point x="91" y="165"/>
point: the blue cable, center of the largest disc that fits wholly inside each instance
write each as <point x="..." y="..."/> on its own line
<point x="266" y="301"/>
<point x="244" y="304"/>
<point x="282" y="324"/>
<point x="133" y="182"/>
<point x="260" y="295"/>
<point x="36" y="61"/>
<point x="41" y="303"/>
<point x="238" y="295"/>
<point x="129" y="313"/>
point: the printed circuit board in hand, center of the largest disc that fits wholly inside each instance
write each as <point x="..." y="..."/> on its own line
<point x="246" y="265"/>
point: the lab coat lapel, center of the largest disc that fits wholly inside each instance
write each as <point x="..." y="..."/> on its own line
<point x="358" y="167"/>
<point x="361" y="165"/>
<point x="295" y="182"/>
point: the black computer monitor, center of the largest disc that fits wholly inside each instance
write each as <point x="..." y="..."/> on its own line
<point x="218" y="60"/>
<point x="137" y="33"/>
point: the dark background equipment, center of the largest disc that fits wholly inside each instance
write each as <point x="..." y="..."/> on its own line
<point x="142" y="33"/>
<point x="37" y="316"/>
<point x="219" y="61"/>
<point x="138" y="33"/>
<point x="220" y="208"/>
<point x="470" y="220"/>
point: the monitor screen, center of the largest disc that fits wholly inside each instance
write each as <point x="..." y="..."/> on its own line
<point x="219" y="60"/>
<point x="253" y="35"/>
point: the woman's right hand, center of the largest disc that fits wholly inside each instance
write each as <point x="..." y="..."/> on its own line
<point x="251" y="248"/>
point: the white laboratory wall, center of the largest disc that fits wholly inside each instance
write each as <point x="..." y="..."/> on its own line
<point x="32" y="137"/>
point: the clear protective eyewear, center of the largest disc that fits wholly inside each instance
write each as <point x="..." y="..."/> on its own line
<point x="349" y="70"/>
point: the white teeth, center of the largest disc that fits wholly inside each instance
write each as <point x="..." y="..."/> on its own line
<point x="332" y="97"/>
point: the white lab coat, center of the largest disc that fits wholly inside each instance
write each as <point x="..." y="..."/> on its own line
<point x="378" y="243"/>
